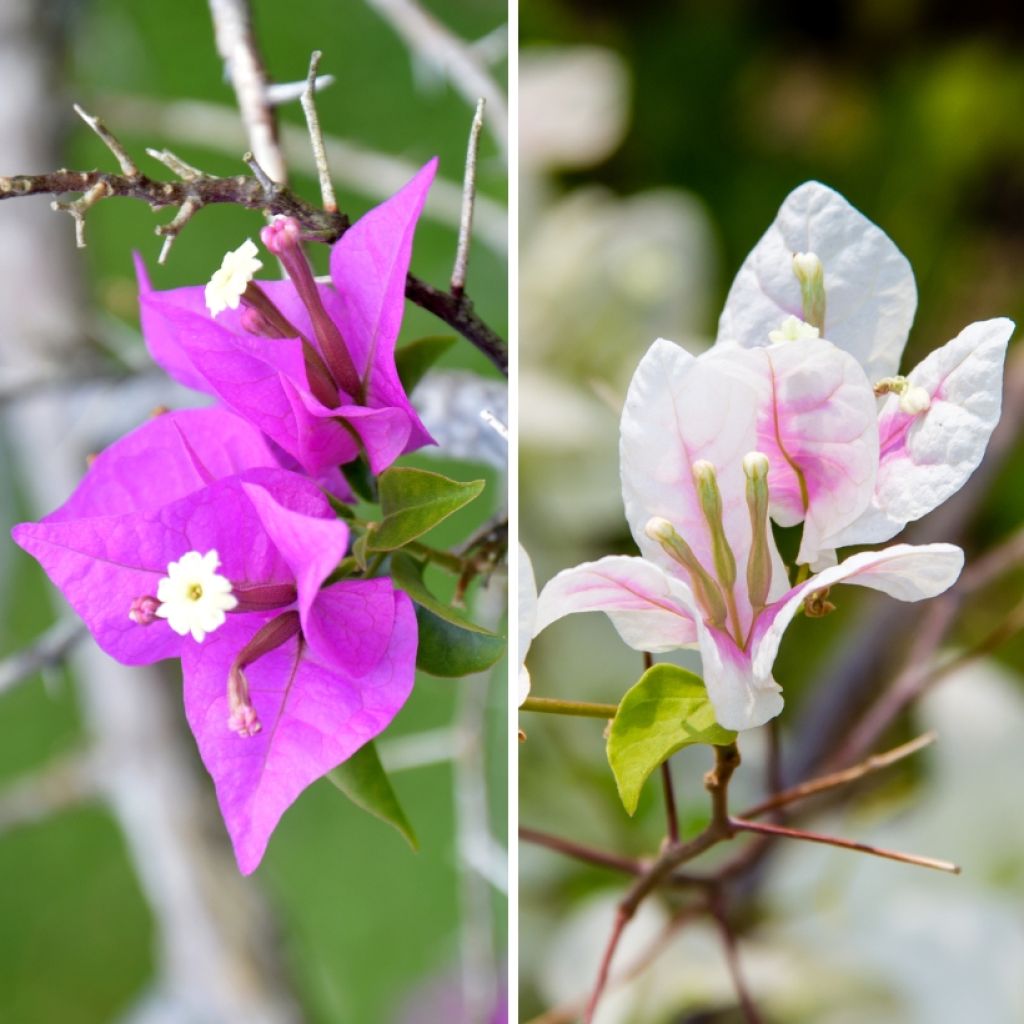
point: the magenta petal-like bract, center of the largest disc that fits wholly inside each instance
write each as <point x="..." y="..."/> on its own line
<point x="369" y="265"/>
<point x="315" y="714"/>
<point x="265" y="379"/>
<point x="103" y="563"/>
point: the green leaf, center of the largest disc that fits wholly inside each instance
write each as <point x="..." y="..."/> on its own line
<point x="363" y="780"/>
<point x="413" y="501"/>
<point x="668" y="709"/>
<point x="341" y="509"/>
<point x="449" y="644"/>
<point x="413" y="360"/>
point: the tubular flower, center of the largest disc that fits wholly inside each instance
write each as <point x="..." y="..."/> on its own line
<point x="187" y="540"/>
<point x="697" y="488"/>
<point x="310" y="365"/>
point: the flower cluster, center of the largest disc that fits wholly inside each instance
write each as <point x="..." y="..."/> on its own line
<point x="208" y="535"/>
<point x="797" y="414"/>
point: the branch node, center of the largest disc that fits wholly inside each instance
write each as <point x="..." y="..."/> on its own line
<point x="78" y="208"/>
<point x="267" y="183"/>
<point x="171" y="230"/>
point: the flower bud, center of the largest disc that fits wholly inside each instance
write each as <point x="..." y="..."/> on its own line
<point x="281" y="235"/>
<point x="759" y="561"/>
<point x="811" y="275"/>
<point x="143" y="610"/>
<point x="711" y="505"/>
<point x="705" y="589"/>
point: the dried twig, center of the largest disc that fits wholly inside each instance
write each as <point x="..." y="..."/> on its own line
<point x="316" y="136"/>
<point x="253" y="194"/>
<point x="458" y="284"/>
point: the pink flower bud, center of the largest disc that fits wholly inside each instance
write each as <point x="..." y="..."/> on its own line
<point x="281" y="235"/>
<point x="143" y="610"/>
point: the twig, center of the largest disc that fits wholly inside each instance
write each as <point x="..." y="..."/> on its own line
<point x="236" y="44"/>
<point x="428" y="38"/>
<point x="579" y="708"/>
<point x="356" y="167"/>
<point x="251" y="193"/>
<point x="316" y="136"/>
<point x="125" y="161"/>
<point x="268" y="185"/>
<point x="579" y="851"/>
<point x="742" y="825"/>
<point x="921" y="673"/>
<point x="78" y="208"/>
<point x="716" y="781"/>
<point x="183" y="170"/>
<point x="671" y="815"/>
<point x="171" y="230"/>
<point x="570" y="1012"/>
<point x="826" y="782"/>
<point x="468" y="201"/>
<point x="50" y="649"/>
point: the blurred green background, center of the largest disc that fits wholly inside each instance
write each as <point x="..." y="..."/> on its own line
<point x="361" y="920"/>
<point x="689" y="123"/>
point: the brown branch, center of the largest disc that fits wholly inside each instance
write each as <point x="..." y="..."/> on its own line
<point x="716" y="781"/>
<point x="252" y="194"/>
<point x="742" y="825"/>
<point x="842" y="778"/>
<point x="578" y="851"/>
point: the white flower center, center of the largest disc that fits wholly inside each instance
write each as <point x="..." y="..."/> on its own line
<point x="193" y="596"/>
<point x="794" y="329"/>
<point x="236" y="271"/>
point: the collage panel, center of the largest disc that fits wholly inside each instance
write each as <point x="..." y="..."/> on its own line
<point x="768" y="276"/>
<point x="253" y="714"/>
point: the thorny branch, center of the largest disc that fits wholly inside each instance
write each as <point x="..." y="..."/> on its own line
<point x="195" y="190"/>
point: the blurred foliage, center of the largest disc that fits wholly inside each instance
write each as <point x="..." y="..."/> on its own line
<point x="363" y="921"/>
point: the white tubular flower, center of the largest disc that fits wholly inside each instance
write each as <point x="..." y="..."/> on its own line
<point x="229" y="282"/>
<point x="193" y="596"/>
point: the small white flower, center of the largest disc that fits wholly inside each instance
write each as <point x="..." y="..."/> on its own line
<point x="236" y="271"/>
<point x="794" y="329"/>
<point x="193" y="597"/>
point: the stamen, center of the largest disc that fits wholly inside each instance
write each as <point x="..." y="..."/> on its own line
<point x="811" y="275"/>
<point x="759" y="561"/>
<point x="705" y="589"/>
<point x="283" y="238"/>
<point x="242" y="717"/>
